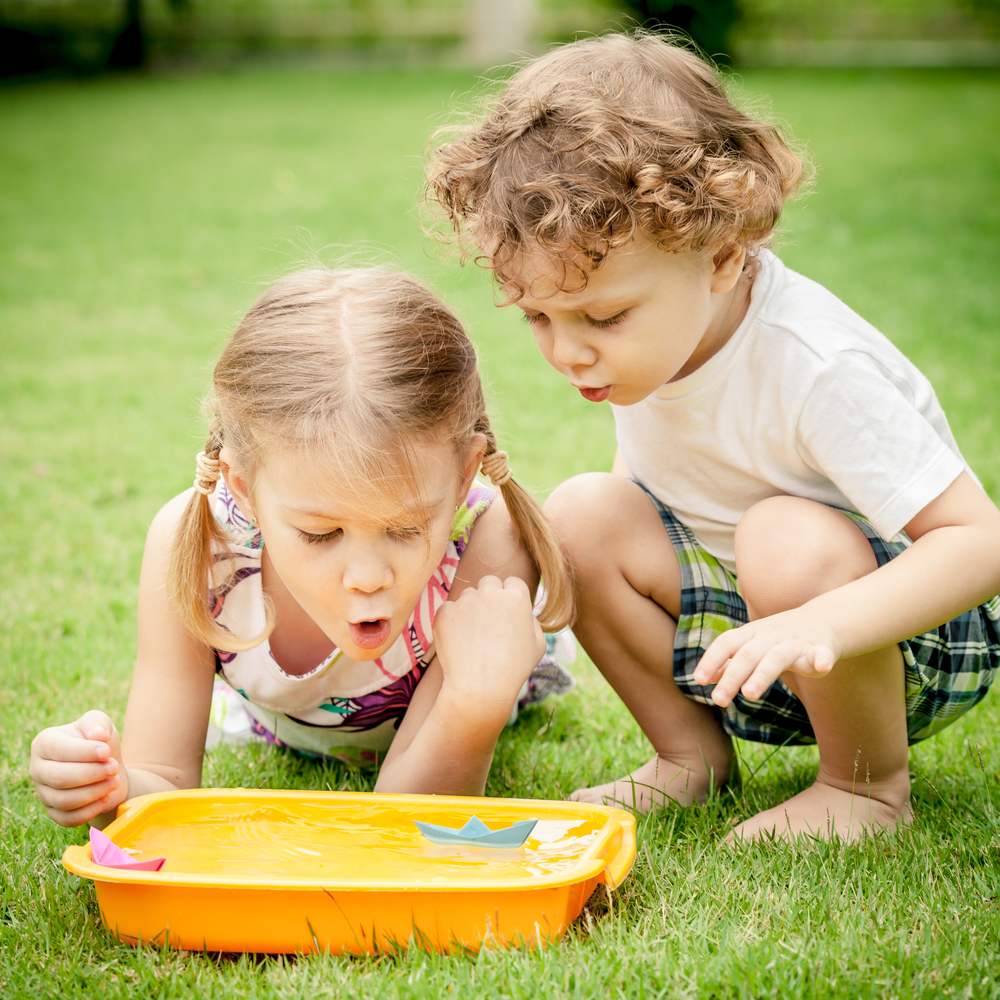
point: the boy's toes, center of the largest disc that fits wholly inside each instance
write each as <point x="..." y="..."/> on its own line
<point x="599" y="795"/>
<point x="822" y="812"/>
<point x="770" y="823"/>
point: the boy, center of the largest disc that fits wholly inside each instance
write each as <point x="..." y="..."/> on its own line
<point x="752" y="578"/>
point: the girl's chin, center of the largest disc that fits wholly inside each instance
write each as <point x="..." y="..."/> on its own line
<point x="370" y="635"/>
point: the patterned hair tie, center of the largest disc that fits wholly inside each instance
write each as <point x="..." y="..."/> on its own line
<point x="207" y="475"/>
<point x="495" y="466"/>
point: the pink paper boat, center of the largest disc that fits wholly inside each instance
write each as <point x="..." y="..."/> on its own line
<point x="105" y="852"/>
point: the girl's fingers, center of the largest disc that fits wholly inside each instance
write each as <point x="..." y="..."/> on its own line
<point x="77" y="769"/>
<point x="56" y="774"/>
<point x="77" y="817"/>
<point x="95" y="725"/>
<point x="72" y="799"/>
<point x="516" y="583"/>
<point x="62" y="745"/>
<point x="823" y="660"/>
<point x="487" y="583"/>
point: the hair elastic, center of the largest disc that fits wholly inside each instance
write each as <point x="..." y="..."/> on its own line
<point x="207" y="475"/>
<point x="495" y="466"/>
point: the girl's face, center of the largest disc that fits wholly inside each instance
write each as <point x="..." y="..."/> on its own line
<point x="358" y="578"/>
<point x="646" y="317"/>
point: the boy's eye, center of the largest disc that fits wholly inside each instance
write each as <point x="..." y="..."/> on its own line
<point x="327" y="536"/>
<point x="603" y="324"/>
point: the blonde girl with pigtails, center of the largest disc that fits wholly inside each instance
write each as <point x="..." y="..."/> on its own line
<point x="336" y="563"/>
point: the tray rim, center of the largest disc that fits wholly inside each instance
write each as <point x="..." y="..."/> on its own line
<point x="77" y="858"/>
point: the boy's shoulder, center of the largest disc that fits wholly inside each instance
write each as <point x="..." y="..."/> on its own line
<point x="818" y="354"/>
<point x="798" y="318"/>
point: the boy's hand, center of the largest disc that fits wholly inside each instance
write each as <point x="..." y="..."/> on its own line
<point x="488" y="642"/>
<point x="78" y="770"/>
<point x="751" y="658"/>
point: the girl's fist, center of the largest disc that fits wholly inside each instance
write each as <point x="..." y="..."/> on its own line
<point x="77" y="769"/>
<point x="488" y="642"/>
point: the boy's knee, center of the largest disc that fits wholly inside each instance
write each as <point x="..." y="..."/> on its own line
<point x="588" y="511"/>
<point x="790" y="550"/>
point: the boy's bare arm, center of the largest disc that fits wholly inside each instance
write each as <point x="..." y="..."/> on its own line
<point x="952" y="566"/>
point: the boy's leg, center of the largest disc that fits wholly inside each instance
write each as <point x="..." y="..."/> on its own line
<point x="628" y="592"/>
<point x="789" y="550"/>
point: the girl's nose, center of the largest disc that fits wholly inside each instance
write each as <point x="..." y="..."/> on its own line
<point x="367" y="574"/>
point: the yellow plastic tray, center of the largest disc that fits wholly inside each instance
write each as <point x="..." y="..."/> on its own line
<point x="277" y="871"/>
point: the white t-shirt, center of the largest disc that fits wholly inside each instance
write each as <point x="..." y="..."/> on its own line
<point x="806" y="399"/>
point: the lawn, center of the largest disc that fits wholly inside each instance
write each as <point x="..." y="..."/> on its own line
<point x="138" y="217"/>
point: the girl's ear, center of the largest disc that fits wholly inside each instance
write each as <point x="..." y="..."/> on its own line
<point x="727" y="268"/>
<point x="473" y="459"/>
<point x="235" y="483"/>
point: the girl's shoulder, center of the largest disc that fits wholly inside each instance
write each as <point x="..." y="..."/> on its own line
<point x="166" y="519"/>
<point x="494" y="548"/>
<point x="477" y="502"/>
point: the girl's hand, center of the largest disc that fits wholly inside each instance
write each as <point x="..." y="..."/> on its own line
<point x="751" y="658"/>
<point x="78" y="770"/>
<point x="488" y="642"/>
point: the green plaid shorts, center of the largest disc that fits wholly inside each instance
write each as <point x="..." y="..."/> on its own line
<point x="948" y="669"/>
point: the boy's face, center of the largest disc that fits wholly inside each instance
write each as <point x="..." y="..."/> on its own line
<point x="646" y="317"/>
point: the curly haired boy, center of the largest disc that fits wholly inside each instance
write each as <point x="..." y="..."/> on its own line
<point x="794" y="549"/>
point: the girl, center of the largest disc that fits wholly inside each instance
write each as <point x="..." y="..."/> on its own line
<point x="801" y="554"/>
<point x="334" y="562"/>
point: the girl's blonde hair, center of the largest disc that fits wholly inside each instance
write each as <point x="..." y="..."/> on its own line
<point x="601" y="140"/>
<point x="358" y="368"/>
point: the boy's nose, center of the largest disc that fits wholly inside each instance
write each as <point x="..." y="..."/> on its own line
<point x="569" y="350"/>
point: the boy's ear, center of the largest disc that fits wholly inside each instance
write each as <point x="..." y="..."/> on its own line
<point x="727" y="266"/>
<point x="235" y="483"/>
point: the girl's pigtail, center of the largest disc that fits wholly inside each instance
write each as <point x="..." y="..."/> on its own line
<point x="197" y="576"/>
<point x="536" y="534"/>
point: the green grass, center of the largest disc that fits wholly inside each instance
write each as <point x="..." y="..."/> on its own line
<point x="138" y="217"/>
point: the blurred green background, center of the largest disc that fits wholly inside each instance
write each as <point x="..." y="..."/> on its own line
<point x="141" y="212"/>
<point x="38" y="36"/>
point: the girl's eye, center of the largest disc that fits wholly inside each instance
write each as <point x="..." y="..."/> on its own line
<point x="328" y="536"/>
<point x="532" y="318"/>
<point x="603" y="324"/>
<point x="405" y="532"/>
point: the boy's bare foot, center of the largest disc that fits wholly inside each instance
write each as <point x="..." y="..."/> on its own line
<point x="651" y="785"/>
<point x="825" y="811"/>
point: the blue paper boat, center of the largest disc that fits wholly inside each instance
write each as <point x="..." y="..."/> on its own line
<point x="476" y="833"/>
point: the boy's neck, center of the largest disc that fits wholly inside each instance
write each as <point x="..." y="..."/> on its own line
<point x="731" y="308"/>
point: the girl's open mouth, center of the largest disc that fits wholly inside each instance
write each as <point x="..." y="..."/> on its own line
<point x="369" y="635"/>
<point x="595" y="395"/>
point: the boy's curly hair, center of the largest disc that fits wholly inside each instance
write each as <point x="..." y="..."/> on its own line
<point x="604" y="139"/>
